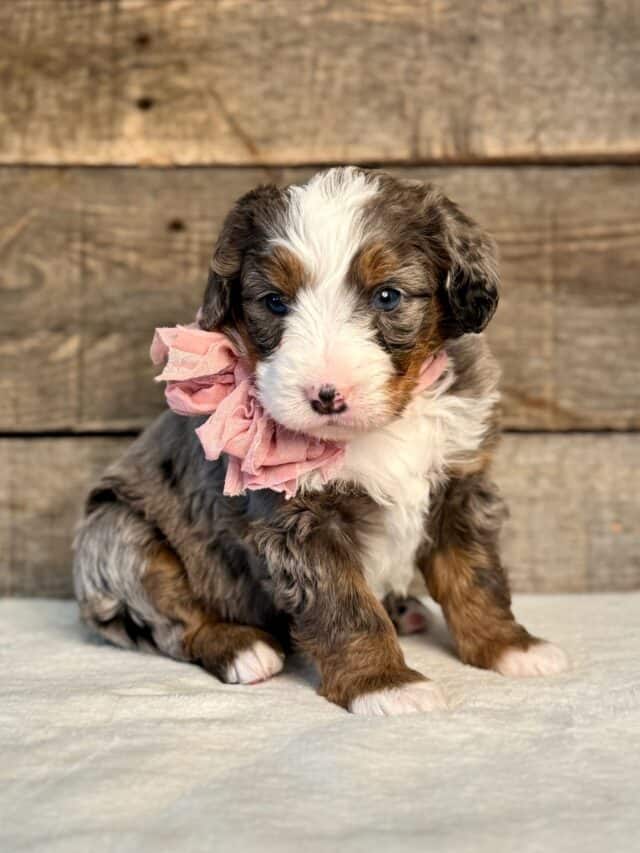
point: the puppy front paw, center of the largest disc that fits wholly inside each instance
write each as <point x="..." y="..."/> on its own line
<point x="413" y="698"/>
<point x="540" y="658"/>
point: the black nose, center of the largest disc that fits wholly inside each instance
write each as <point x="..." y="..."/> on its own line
<point x="327" y="394"/>
<point x="328" y="401"/>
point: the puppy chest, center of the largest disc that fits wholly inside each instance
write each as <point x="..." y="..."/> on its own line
<point x="402" y="467"/>
<point x="390" y="547"/>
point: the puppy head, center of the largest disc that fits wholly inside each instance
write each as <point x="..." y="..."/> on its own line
<point x="337" y="291"/>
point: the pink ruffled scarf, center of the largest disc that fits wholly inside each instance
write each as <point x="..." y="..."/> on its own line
<point x="206" y="376"/>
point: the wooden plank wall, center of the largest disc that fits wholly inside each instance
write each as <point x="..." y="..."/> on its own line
<point x="127" y="129"/>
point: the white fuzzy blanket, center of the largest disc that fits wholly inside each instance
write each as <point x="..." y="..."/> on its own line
<point x="102" y="749"/>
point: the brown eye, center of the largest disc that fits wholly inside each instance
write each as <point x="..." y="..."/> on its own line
<point x="386" y="299"/>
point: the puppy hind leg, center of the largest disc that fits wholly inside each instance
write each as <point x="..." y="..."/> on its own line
<point x="234" y="653"/>
<point x="134" y="591"/>
<point x="111" y="550"/>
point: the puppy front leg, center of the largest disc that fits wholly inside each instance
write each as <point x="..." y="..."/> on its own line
<point x="317" y="579"/>
<point x="465" y="576"/>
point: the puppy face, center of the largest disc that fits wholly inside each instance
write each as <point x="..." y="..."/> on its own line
<point x="339" y="290"/>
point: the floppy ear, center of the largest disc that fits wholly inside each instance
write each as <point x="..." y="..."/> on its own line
<point x="243" y="228"/>
<point x="466" y="257"/>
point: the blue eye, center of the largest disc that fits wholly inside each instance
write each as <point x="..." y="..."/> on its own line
<point x="274" y="303"/>
<point x="386" y="299"/>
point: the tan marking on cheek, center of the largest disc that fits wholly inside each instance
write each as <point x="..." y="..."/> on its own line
<point x="285" y="271"/>
<point x="401" y="386"/>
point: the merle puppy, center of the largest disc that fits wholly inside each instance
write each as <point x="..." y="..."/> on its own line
<point x="336" y="292"/>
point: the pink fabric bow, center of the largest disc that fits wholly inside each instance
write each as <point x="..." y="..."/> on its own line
<point x="206" y="376"/>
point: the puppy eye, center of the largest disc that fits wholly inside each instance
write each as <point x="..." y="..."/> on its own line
<point x="275" y="304"/>
<point x="386" y="299"/>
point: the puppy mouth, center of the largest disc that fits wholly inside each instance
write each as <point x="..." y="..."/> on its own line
<point x="319" y="409"/>
<point x="332" y="431"/>
<point x="340" y="426"/>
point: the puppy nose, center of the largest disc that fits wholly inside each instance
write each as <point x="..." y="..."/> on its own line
<point x="327" y="400"/>
<point x="327" y="394"/>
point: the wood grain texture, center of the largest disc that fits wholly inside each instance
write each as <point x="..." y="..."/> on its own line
<point x="307" y="81"/>
<point x="575" y="525"/>
<point x="92" y="260"/>
<point x="42" y="487"/>
<point x="574" y="510"/>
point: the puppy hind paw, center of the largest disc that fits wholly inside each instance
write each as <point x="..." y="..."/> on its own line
<point x="409" y="615"/>
<point x="253" y="664"/>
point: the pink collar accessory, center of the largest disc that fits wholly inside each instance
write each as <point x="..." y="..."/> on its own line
<point x="205" y="375"/>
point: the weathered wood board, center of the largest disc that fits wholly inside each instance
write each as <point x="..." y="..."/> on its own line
<point x="306" y="81"/>
<point x="42" y="486"/>
<point x="575" y="524"/>
<point x="92" y="260"/>
<point x="574" y="521"/>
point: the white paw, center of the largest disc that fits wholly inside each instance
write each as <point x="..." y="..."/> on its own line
<point x="257" y="663"/>
<point x="414" y="698"/>
<point x="538" y="659"/>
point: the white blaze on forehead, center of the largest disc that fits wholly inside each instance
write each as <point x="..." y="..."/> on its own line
<point x="324" y="224"/>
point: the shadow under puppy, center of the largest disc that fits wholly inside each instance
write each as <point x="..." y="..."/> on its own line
<point x="336" y="294"/>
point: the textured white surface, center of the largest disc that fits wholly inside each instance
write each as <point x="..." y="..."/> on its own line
<point x="103" y="749"/>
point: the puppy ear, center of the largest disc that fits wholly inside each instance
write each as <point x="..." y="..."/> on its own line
<point x="243" y="229"/>
<point x="467" y="262"/>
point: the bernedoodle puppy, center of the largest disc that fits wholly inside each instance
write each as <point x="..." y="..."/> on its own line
<point x="346" y="408"/>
